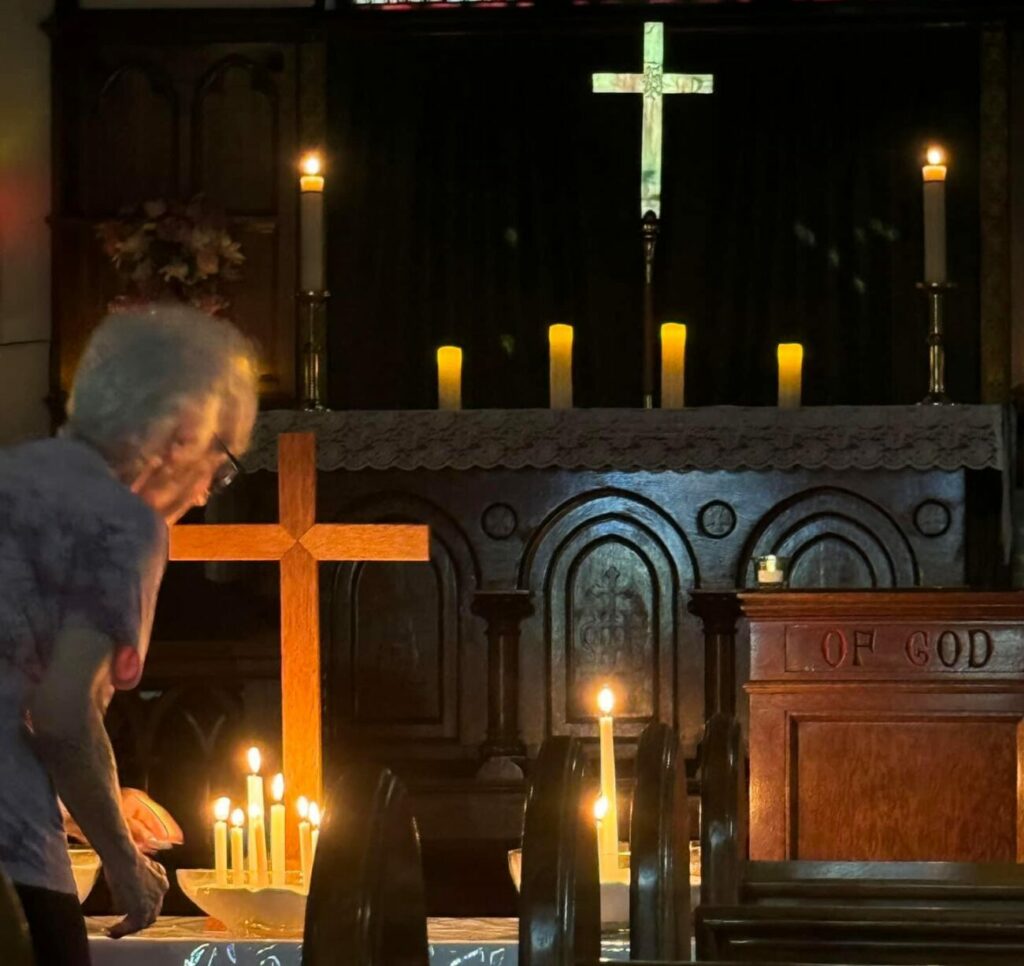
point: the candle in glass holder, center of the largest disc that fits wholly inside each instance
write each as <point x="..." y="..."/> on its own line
<point x="305" y="839"/>
<point x="560" y="366"/>
<point x="314" y="821"/>
<point x="934" y="175"/>
<point x="609" y="829"/>
<point x="237" y="848"/>
<point x="791" y="364"/>
<point x="673" y="365"/>
<point x="277" y="840"/>
<point x="449" y="377"/>
<point x="221" y="811"/>
<point x="311" y="224"/>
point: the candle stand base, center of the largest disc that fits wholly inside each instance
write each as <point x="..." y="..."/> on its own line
<point x="246" y="911"/>
<point x="312" y="354"/>
<point x="936" y="293"/>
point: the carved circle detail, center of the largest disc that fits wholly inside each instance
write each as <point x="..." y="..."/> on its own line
<point x="716" y="519"/>
<point x="499" y="521"/>
<point x="932" y="518"/>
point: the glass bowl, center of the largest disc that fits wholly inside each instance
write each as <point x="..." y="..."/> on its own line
<point x="85" y="866"/>
<point x="278" y="912"/>
<point x="614" y="895"/>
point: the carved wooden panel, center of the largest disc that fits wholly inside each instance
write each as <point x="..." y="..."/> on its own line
<point x="131" y="139"/>
<point x="608" y="572"/>
<point x="155" y="118"/>
<point x="886" y="726"/>
<point x="832" y="538"/>
<point x="397" y="658"/>
<point x="904" y="787"/>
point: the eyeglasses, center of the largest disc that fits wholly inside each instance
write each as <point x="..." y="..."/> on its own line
<point x="228" y="472"/>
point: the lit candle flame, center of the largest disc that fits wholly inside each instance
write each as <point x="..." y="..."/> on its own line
<point x="936" y="155"/>
<point x="238" y="818"/>
<point x="303" y="806"/>
<point x="277" y="787"/>
<point x="600" y="808"/>
<point x="222" y="809"/>
<point x="254" y="760"/>
<point x="314" y="815"/>
<point x="310" y="163"/>
<point x="606" y="700"/>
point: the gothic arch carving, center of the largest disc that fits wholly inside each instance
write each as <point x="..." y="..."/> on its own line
<point x="607" y="572"/>
<point x="394" y="635"/>
<point x="832" y="537"/>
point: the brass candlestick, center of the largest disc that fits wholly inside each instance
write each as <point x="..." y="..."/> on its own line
<point x="649" y="231"/>
<point x="936" y="293"/>
<point x="313" y="349"/>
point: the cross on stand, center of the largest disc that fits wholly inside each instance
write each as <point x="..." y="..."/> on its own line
<point x="298" y="543"/>
<point x="653" y="84"/>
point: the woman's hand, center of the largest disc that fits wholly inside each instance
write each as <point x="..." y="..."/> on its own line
<point x="138" y="890"/>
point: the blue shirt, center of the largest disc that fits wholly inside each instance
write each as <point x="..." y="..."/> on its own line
<point x="76" y="547"/>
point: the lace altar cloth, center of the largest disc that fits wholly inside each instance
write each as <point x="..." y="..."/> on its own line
<point x="716" y="438"/>
<point x="188" y="941"/>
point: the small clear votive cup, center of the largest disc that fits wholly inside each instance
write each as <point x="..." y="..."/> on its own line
<point x="772" y="572"/>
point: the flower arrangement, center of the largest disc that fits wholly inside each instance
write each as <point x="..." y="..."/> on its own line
<point x="173" y="250"/>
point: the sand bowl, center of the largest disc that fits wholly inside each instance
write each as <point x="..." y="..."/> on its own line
<point x="249" y="912"/>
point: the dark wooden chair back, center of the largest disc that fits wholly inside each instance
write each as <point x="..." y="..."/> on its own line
<point x="559" y="898"/>
<point x="659" y="845"/>
<point x="723" y="836"/>
<point x="14" y="937"/>
<point x="366" y="900"/>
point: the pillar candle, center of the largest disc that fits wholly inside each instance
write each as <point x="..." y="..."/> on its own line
<point x="237" y="850"/>
<point x="934" y="174"/>
<point x="791" y="363"/>
<point x="311" y="225"/>
<point x="277" y="860"/>
<point x="673" y="365"/>
<point x="449" y="377"/>
<point x="560" y="366"/>
<point x="609" y="831"/>
<point x="305" y="841"/>
<point x="221" y="811"/>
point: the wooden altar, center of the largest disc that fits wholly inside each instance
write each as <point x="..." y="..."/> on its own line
<point x="564" y="545"/>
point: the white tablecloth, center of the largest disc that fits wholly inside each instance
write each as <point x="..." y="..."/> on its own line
<point x="186" y="941"/>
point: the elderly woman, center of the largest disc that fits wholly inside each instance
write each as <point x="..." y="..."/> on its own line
<point x="160" y="401"/>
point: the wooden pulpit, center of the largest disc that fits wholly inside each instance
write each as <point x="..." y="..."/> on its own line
<point x="886" y="726"/>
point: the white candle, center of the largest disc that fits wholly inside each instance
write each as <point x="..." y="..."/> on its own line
<point x="673" y="365"/>
<point x="305" y="840"/>
<point x="277" y="860"/>
<point x="791" y="364"/>
<point x="609" y="830"/>
<point x="311" y="225"/>
<point x="221" y="811"/>
<point x="934" y="174"/>
<point x="237" y="850"/>
<point x="314" y="820"/>
<point x="254" y="809"/>
<point x="606" y="862"/>
<point x="449" y="377"/>
<point x="257" y="850"/>
<point x="560" y="366"/>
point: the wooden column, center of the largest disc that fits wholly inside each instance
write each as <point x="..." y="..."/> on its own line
<point x="503" y="611"/>
<point x="718" y="611"/>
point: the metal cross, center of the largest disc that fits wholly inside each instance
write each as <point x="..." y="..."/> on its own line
<point x="653" y="83"/>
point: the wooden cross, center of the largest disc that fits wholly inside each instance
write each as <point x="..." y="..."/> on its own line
<point x="298" y="543"/>
<point x="653" y="83"/>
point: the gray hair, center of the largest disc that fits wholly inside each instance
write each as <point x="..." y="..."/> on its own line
<point x="141" y="368"/>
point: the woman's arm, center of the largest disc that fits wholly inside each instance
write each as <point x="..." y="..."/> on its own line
<point x="66" y="710"/>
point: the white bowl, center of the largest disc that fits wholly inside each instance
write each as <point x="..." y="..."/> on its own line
<point x="277" y="911"/>
<point x="85" y="866"/>
<point x="614" y="895"/>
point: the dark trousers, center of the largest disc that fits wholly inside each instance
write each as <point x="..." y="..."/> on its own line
<point x="56" y="925"/>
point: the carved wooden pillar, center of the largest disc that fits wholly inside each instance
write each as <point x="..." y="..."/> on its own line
<point x="503" y="611"/>
<point x="718" y="611"/>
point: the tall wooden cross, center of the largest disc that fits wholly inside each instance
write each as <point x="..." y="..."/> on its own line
<point x="653" y="83"/>
<point x="299" y="543"/>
